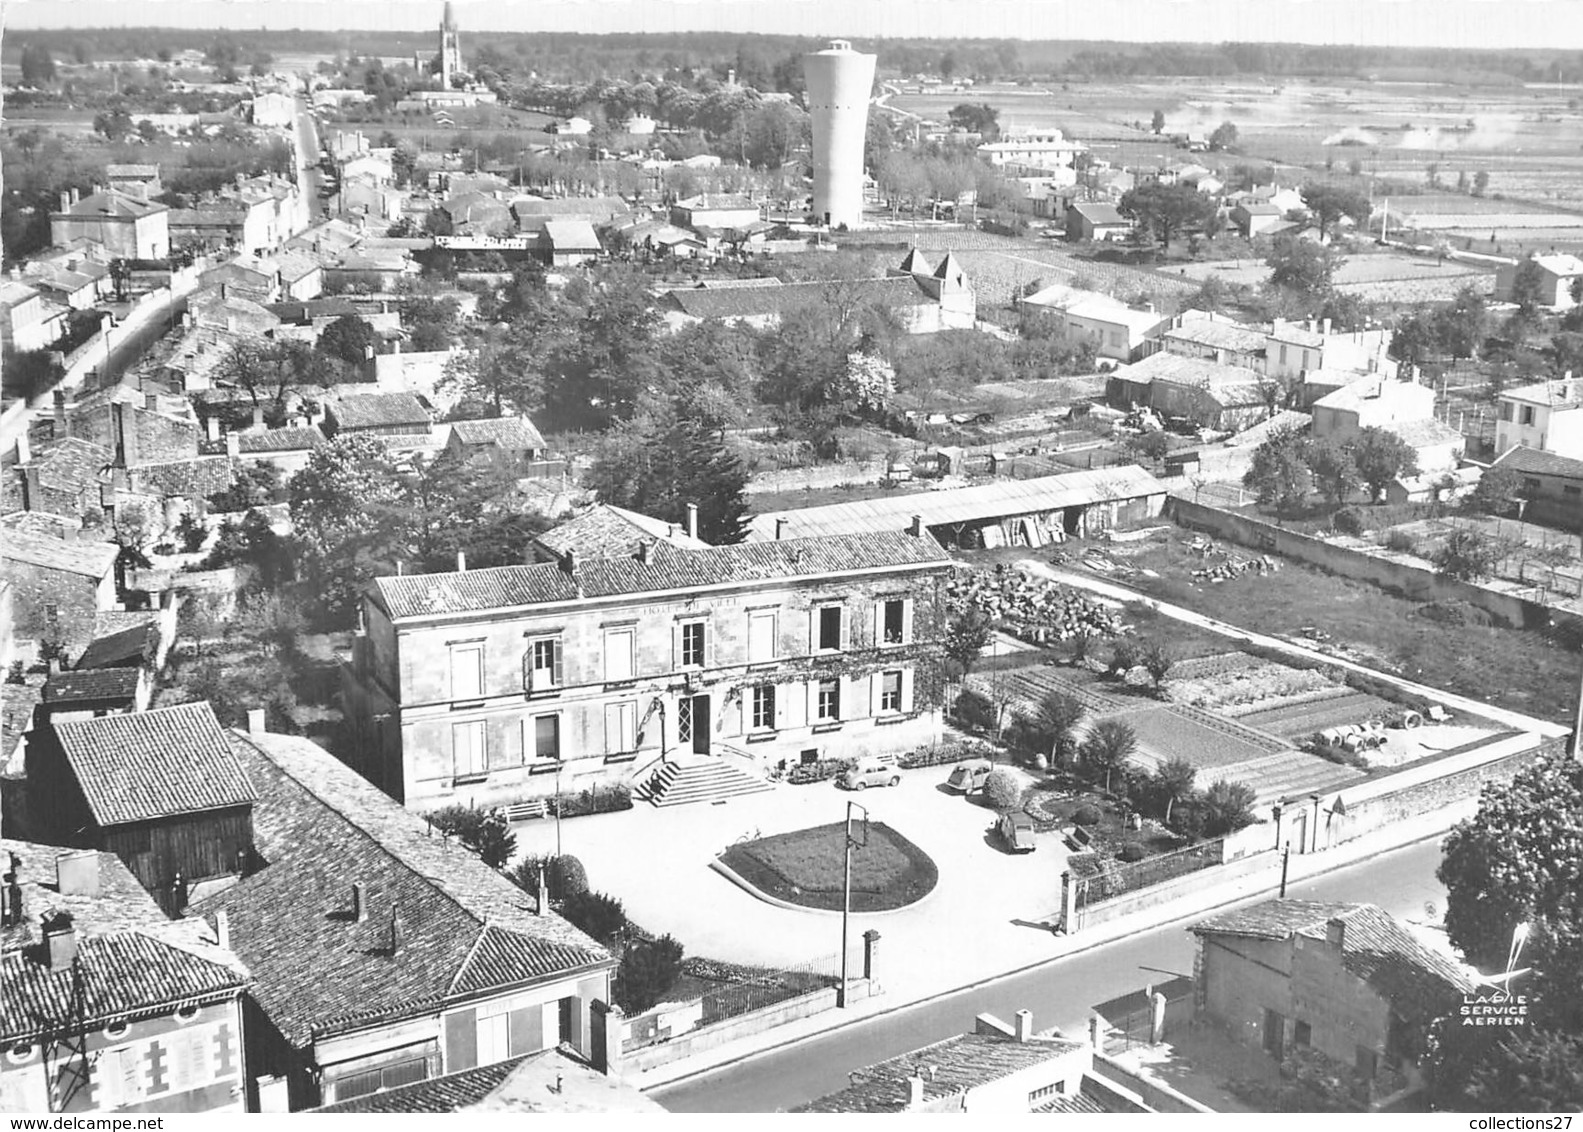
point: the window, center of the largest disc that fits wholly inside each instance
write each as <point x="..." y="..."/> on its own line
<point x="1530" y="485"/>
<point x="467" y="672"/>
<point x="827" y="706"/>
<point x="1305" y="359"/>
<point x="621" y="728"/>
<point x="1302" y="1033"/>
<point x="1506" y="410"/>
<point x="618" y="654"/>
<point x="546" y="737"/>
<point x="1283" y="353"/>
<point x="763" y="707"/>
<point x="467" y="748"/>
<point x="377" y="1080"/>
<point x="1058" y="1088"/>
<point x="890" y="691"/>
<point x="543" y="663"/>
<point x="693" y="644"/>
<point x="189" y="1062"/>
<point x="1527" y="415"/>
<point x="121" y="1078"/>
<point x="893" y="621"/>
<point x="1571" y="489"/>
<point x="761" y="635"/>
<point x="829" y="624"/>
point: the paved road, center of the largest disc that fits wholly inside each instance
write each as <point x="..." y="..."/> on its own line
<point x="309" y="176"/>
<point x="1401" y="881"/>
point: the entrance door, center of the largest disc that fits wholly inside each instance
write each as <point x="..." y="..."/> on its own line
<point x="1274" y="1034"/>
<point x="693" y="729"/>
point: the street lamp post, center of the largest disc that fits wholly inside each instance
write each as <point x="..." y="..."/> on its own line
<point x="846" y="894"/>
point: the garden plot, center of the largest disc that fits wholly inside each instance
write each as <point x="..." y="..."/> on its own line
<point x="1236" y="679"/>
<point x="1205" y="740"/>
<point x="1301" y="720"/>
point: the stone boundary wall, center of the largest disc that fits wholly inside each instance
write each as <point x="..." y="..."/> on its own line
<point x="818" y="476"/>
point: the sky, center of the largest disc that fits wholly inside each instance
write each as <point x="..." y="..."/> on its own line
<point x="1555" y="24"/>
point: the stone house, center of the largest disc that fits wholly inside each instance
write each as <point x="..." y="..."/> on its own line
<point x="1546" y="416"/>
<point x="377" y="414"/>
<point x="512" y="436"/>
<point x="28" y="321"/>
<point x="60" y="581"/>
<point x="1346" y="980"/>
<point x="110" y="1008"/>
<point x="570" y="674"/>
<point x="127" y="227"/>
<point x="421" y="960"/>
<point x="1551" y="485"/>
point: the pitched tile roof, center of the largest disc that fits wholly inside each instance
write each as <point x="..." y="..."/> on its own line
<point x="132" y="959"/>
<point x="514" y="433"/>
<point x="612" y="532"/>
<point x="379" y="410"/>
<point x="461" y="927"/>
<point x="153" y="764"/>
<point x="1199" y="372"/>
<point x="197" y="477"/>
<point x="1219" y="336"/>
<point x="548" y="1081"/>
<point x="423" y="595"/>
<point x="751" y="302"/>
<point x="1427" y="433"/>
<point x="451" y="1093"/>
<point x="128" y="647"/>
<point x="71" y="464"/>
<point x="93" y="684"/>
<point x="1534" y="462"/>
<point x="1097" y="212"/>
<point x="72" y="556"/>
<point x="1416" y="979"/>
<point x="598" y="210"/>
<point x="17" y="702"/>
<point x="292" y="439"/>
<point x="957" y="1064"/>
<point x="113" y="203"/>
<point x="571" y="235"/>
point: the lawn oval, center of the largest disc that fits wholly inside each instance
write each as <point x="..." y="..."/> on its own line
<point x="805" y="868"/>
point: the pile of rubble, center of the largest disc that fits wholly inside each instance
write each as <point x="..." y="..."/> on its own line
<point x="1230" y="565"/>
<point x="1029" y="607"/>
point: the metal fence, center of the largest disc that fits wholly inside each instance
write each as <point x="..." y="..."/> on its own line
<point x="1116" y="878"/>
<point x="738" y="991"/>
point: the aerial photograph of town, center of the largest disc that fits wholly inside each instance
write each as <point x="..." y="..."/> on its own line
<point x="642" y="556"/>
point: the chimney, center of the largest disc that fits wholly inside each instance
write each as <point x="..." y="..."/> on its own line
<point x="258" y="416"/>
<point x="692" y="520"/>
<point x="222" y="929"/>
<point x="24" y="452"/>
<point x="359" y="904"/>
<point x="60" y="941"/>
<point x="1325" y="326"/>
<point x="233" y="445"/>
<point x="60" y="413"/>
<point x="211" y="428"/>
<point x="65" y="201"/>
<point x="461" y="562"/>
<point x="643" y="551"/>
<point x="151" y="402"/>
<point x="11" y="895"/>
<point x="544" y="892"/>
<point x="77" y="873"/>
<point x="915" y="528"/>
<point x="225" y="292"/>
<point x="75" y="195"/>
<point x="1024" y="1026"/>
<point x="915" y="1090"/>
<point x="1336" y="932"/>
<point x="569" y="561"/>
<point x="255" y="722"/>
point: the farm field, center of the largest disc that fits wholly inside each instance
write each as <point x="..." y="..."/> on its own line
<point x="1358" y="271"/>
<point x="1206" y="741"/>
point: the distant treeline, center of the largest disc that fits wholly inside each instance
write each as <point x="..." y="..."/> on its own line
<point x="571" y="57"/>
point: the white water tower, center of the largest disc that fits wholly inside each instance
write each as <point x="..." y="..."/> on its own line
<point x="839" y="83"/>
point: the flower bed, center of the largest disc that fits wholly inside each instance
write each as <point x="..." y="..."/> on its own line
<point x="944" y="754"/>
<point x="821" y="771"/>
<point x="595" y="800"/>
<point x="807" y="867"/>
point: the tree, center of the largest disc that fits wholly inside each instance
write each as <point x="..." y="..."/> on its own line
<point x="1468" y="555"/>
<point x="1157" y="662"/>
<point x="1279" y="474"/>
<point x="966" y="637"/>
<point x="1107" y="749"/>
<point x="564" y="876"/>
<point x="601" y="916"/>
<point x="660" y="462"/>
<point x="1303" y="266"/>
<point x="647" y="971"/>
<point x="1461" y="328"/>
<point x="342" y="504"/>
<point x="1167" y="209"/>
<point x="1055" y="725"/>
<point x="1173" y="781"/>
<point x="113" y="124"/>
<point x="976" y="118"/>
<point x="1496" y="493"/>
<point x="1333" y="468"/>
<point x="1481" y="182"/>
<point x="1002" y="790"/>
<point x="1223" y="137"/>
<point x="38" y="67"/>
<point x="1157" y="122"/>
<point x="1329" y="203"/>
<point x="1228" y="807"/>
<point x="1381" y="456"/>
<point x="485" y="832"/>
<point x="350" y="338"/>
<point x="1528" y="287"/>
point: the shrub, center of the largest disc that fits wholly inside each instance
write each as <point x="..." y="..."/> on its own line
<point x="485" y="832"/>
<point x="647" y="972"/>
<point x="601" y="916"/>
<point x="1349" y="521"/>
<point x="974" y="709"/>
<point x="595" y="800"/>
<point x="1002" y="790"/>
<point x="564" y="876"/>
<point x="1401" y="541"/>
<point x="192" y="533"/>
<point x="1133" y="851"/>
<point x="1228" y="807"/>
<point x="1124" y="655"/>
<point x="821" y="771"/>
<point x="1158" y="660"/>
<point x="1086" y="815"/>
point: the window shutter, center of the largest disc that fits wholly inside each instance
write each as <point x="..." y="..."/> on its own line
<point x="813" y="630"/>
<point x="876" y="688"/>
<point x="906" y="621"/>
<point x="813" y="701"/>
<point x="782" y="707"/>
<point x="906" y="689"/>
<point x="676" y="646"/>
<point x="879" y="622"/>
<point x="560" y="676"/>
<point x="709" y="642"/>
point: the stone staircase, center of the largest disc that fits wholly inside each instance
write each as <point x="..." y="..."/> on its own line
<point x="700" y="779"/>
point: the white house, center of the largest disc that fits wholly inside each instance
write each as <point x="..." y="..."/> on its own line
<point x="1546" y="416"/>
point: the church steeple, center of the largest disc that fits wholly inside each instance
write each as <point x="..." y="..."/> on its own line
<point x="450" y="47"/>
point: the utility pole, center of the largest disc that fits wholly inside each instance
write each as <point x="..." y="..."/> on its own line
<point x="846" y="894"/>
<point x="1286" y="856"/>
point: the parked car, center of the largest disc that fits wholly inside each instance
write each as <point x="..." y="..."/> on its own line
<point x="869" y="772"/>
<point x="969" y="777"/>
<point x="1016" y="830"/>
